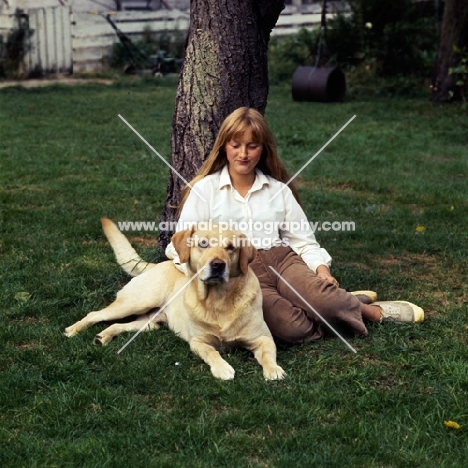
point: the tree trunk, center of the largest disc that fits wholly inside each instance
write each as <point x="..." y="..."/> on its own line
<point x="225" y="67"/>
<point x="454" y="33"/>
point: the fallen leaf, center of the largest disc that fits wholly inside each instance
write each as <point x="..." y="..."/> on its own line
<point x="22" y="296"/>
<point x="452" y="424"/>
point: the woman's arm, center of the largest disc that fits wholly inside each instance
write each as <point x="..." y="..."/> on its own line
<point x="301" y="238"/>
<point x="324" y="272"/>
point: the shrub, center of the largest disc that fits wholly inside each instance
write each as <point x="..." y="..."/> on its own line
<point x="14" y="48"/>
<point x="151" y="46"/>
<point x="460" y="72"/>
<point x="285" y="54"/>
<point x="389" y="38"/>
<point x="397" y="36"/>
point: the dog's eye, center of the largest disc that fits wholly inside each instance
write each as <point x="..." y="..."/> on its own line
<point x="230" y="247"/>
<point x="203" y="243"/>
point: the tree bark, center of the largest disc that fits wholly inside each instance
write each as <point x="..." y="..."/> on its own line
<point x="225" y="67"/>
<point x="454" y="32"/>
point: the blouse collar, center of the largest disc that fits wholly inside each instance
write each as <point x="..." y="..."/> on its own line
<point x="260" y="179"/>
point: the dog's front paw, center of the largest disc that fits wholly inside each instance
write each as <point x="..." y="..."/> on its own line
<point x="223" y="371"/>
<point x="274" y="373"/>
<point x="102" y="339"/>
<point x="70" y="331"/>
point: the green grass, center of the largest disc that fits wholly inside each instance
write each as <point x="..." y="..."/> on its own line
<point x="66" y="159"/>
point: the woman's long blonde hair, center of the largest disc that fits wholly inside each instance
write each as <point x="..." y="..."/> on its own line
<point x="233" y="127"/>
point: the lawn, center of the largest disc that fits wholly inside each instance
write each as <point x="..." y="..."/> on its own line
<point x="399" y="172"/>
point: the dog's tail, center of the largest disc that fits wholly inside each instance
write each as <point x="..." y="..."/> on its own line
<point x="125" y="254"/>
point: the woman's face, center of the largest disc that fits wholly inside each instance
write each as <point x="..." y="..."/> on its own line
<point x="243" y="154"/>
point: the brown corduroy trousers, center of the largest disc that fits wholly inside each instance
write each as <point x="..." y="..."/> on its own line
<point x="292" y="294"/>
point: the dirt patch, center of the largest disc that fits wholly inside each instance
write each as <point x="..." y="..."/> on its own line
<point x="422" y="260"/>
<point x="143" y="241"/>
<point x="53" y="81"/>
<point x="433" y="277"/>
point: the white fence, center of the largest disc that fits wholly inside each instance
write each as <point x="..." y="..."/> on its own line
<point x="7" y="23"/>
<point x="288" y="24"/>
<point x="63" y="42"/>
<point x="93" y="35"/>
<point x="50" y="48"/>
<point x="50" y="44"/>
<point x="66" y="42"/>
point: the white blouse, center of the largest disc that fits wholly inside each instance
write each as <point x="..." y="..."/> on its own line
<point x="268" y="214"/>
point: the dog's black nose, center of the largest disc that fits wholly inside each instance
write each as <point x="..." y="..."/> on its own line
<point x="217" y="272"/>
<point x="217" y="265"/>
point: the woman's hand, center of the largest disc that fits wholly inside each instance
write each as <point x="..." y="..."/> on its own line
<point x="323" y="272"/>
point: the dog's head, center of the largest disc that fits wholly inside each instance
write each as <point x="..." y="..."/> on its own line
<point x="217" y="254"/>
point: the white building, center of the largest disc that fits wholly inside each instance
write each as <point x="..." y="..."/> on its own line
<point x="8" y="6"/>
<point x="75" y="36"/>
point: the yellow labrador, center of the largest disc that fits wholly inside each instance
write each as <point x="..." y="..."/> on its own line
<point x="219" y="304"/>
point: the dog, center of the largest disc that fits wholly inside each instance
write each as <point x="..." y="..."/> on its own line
<point x="219" y="303"/>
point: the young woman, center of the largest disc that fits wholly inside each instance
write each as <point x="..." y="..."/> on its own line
<point x="244" y="184"/>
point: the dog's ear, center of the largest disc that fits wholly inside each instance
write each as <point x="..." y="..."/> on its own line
<point x="246" y="255"/>
<point x="182" y="243"/>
